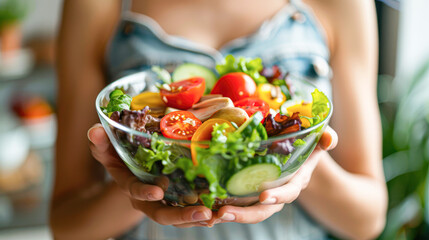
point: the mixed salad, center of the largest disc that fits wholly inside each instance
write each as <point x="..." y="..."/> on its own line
<point x="227" y="115"/>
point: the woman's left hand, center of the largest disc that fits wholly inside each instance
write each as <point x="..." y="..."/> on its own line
<point x="273" y="200"/>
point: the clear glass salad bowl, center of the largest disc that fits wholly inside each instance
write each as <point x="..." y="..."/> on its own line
<point x="186" y="184"/>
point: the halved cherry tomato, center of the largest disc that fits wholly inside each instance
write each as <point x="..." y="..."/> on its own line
<point x="203" y="133"/>
<point x="183" y="94"/>
<point x="253" y="105"/>
<point x="179" y="125"/>
<point x="235" y="85"/>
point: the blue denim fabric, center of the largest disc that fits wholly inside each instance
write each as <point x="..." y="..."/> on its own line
<point x="291" y="39"/>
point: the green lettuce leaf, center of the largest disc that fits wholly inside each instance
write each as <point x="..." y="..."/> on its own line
<point x="249" y="66"/>
<point x="299" y="142"/>
<point x="320" y="108"/>
<point x="167" y="154"/>
<point x="209" y="168"/>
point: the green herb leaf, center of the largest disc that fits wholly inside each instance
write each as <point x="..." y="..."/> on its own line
<point x="118" y="102"/>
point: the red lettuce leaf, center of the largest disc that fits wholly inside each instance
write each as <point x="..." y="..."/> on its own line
<point x="282" y="124"/>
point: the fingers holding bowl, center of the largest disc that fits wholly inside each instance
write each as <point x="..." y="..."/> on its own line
<point x="252" y="214"/>
<point x="104" y="153"/>
<point x="290" y="191"/>
<point x="178" y="216"/>
<point x="329" y="139"/>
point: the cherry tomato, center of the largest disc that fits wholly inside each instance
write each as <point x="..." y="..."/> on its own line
<point x="179" y="125"/>
<point x="253" y="105"/>
<point x="235" y="85"/>
<point x="183" y="94"/>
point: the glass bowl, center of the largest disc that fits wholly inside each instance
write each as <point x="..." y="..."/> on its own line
<point x="181" y="191"/>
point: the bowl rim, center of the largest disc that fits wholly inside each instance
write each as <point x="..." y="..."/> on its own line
<point x="119" y="82"/>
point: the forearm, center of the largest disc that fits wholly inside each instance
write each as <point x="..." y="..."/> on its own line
<point x="350" y="205"/>
<point x="102" y="213"/>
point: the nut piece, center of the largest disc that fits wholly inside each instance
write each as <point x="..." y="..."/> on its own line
<point x="203" y="110"/>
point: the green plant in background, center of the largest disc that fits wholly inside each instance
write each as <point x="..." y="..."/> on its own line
<point x="406" y="157"/>
<point x="12" y="11"/>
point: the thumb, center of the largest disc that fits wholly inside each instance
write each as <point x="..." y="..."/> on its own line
<point x="98" y="137"/>
<point x="329" y="139"/>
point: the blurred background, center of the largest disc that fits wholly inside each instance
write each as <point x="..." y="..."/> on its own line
<point x="27" y="112"/>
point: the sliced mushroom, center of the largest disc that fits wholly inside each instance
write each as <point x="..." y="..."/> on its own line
<point x="210" y="96"/>
<point x="203" y="110"/>
<point x="170" y="110"/>
<point x="232" y="114"/>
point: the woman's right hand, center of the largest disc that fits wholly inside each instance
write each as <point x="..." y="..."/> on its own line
<point x="144" y="197"/>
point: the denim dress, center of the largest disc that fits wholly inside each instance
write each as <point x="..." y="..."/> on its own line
<point x="291" y="39"/>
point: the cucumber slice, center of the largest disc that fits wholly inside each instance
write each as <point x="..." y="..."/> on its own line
<point x="253" y="122"/>
<point x="248" y="179"/>
<point x="188" y="70"/>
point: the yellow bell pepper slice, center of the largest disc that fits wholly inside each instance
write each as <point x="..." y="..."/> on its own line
<point x="271" y="94"/>
<point x="151" y="99"/>
<point x="304" y="109"/>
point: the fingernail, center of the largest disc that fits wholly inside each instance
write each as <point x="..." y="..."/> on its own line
<point x="200" y="216"/>
<point x="326" y="142"/>
<point x="203" y="223"/>
<point x="228" y="217"/>
<point x="89" y="130"/>
<point x="331" y="143"/>
<point x="217" y="221"/>
<point x="150" y="196"/>
<point x="270" y="200"/>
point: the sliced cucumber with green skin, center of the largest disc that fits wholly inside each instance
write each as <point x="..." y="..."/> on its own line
<point x="188" y="70"/>
<point x="253" y="122"/>
<point x="257" y="171"/>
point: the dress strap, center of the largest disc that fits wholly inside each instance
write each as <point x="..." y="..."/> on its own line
<point x="126" y="5"/>
<point x="294" y="2"/>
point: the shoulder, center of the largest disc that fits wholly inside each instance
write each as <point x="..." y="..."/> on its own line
<point x="343" y="20"/>
<point x="84" y="10"/>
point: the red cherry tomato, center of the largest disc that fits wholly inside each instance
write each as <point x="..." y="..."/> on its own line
<point x="184" y="94"/>
<point x="179" y="125"/>
<point x="253" y="105"/>
<point x="236" y="86"/>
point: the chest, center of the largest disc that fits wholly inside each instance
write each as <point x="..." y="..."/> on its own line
<point x="210" y="23"/>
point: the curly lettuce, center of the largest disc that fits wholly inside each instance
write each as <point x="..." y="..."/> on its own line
<point x="160" y="151"/>
<point x="320" y="108"/>
<point x="251" y="67"/>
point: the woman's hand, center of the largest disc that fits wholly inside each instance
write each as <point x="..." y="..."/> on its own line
<point x="144" y="197"/>
<point x="273" y="200"/>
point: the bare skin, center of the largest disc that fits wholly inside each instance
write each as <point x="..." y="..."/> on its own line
<point x="343" y="190"/>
